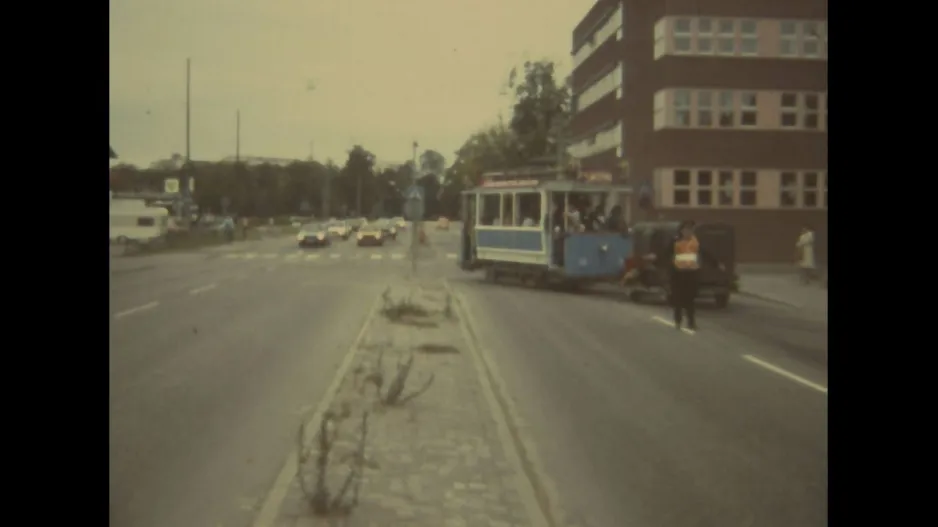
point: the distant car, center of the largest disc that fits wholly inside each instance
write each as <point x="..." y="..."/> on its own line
<point x="339" y="228"/>
<point x="371" y="234"/>
<point x="388" y="228"/>
<point x="313" y="235"/>
<point x="399" y="223"/>
<point x="356" y="223"/>
<point x="442" y="223"/>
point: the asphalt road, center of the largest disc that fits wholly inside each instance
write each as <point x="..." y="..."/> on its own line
<point x="213" y="363"/>
<point x="640" y="424"/>
<point x="215" y="356"/>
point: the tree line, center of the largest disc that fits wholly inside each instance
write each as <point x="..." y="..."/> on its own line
<point x="538" y="121"/>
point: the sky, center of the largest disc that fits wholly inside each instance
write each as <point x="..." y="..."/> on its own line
<point x="318" y="76"/>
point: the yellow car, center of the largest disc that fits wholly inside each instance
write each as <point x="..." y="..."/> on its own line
<point x="371" y="234"/>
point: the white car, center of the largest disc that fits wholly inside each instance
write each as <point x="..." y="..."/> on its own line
<point x="340" y="229"/>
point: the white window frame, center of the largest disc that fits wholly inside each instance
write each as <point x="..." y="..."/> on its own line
<point x="816" y="189"/>
<point x="793" y="190"/>
<point x="790" y="39"/>
<point x="660" y="39"/>
<point x="805" y="111"/>
<point x="660" y="111"/>
<point x="705" y="35"/>
<point x="789" y="110"/>
<point x="704" y="109"/>
<point x="746" y="109"/>
<point x="723" y="109"/>
<point x="686" y="188"/>
<point x="726" y="36"/>
<point x="725" y="189"/>
<point x="750" y="37"/>
<point x="810" y="36"/>
<point x="681" y="36"/>
<point x="681" y="107"/>
<point x="709" y="189"/>
<point x="744" y="189"/>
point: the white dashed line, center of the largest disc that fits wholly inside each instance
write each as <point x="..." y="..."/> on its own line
<point x="450" y="256"/>
<point x="204" y="288"/>
<point x="669" y="323"/>
<point x="271" y="256"/>
<point x="377" y="256"/>
<point x="131" y="311"/>
<point x="250" y="256"/>
<point x="293" y="258"/>
<point x="311" y="257"/>
<point x="397" y="256"/>
<point x="335" y="256"/>
<point x="785" y="373"/>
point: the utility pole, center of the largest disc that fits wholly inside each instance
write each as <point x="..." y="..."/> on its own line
<point x="187" y="170"/>
<point x="417" y="223"/>
<point x="238" y="136"/>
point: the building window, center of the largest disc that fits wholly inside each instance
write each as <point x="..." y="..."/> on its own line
<point x="747" y="188"/>
<point x="748" y="38"/>
<point x="705" y="109"/>
<point x="810" y="188"/>
<point x="789" y="190"/>
<point x="788" y="46"/>
<point x="726" y="188"/>
<point x="727" y="111"/>
<point x="682" y="187"/>
<point x="811" y="40"/>
<point x="811" y="111"/>
<point x="704" y="188"/>
<point x="682" y="108"/>
<point x="726" y="37"/>
<point x="789" y="110"/>
<point x="825" y="190"/>
<point x="682" y="35"/>
<point x="748" y="113"/>
<point x="704" y="36"/>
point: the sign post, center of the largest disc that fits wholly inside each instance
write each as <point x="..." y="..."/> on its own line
<point x="413" y="211"/>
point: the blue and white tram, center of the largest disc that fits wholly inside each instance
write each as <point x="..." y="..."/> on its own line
<point x="525" y="225"/>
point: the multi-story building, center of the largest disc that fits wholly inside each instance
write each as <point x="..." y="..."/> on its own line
<point x="714" y="110"/>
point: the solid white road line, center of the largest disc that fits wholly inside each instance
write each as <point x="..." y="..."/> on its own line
<point x="204" y="288"/>
<point x="131" y="311"/>
<point x="669" y="323"/>
<point x="785" y="373"/>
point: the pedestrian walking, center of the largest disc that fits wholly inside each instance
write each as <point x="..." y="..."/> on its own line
<point x="805" y="249"/>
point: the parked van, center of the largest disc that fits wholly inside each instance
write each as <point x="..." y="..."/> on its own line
<point x="132" y="221"/>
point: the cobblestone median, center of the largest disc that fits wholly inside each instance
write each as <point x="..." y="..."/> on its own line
<point x="433" y="458"/>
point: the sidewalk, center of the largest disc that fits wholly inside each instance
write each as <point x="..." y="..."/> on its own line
<point x="785" y="289"/>
<point x="434" y="460"/>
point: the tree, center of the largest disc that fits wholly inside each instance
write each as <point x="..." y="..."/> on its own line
<point x="432" y="162"/>
<point x="357" y="181"/>
<point x="492" y="148"/>
<point x="541" y="110"/>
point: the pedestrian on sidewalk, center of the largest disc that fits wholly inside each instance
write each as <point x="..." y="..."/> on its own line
<point x="805" y="250"/>
<point x="683" y="254"/>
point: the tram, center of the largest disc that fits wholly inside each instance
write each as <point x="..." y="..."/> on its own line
<point x="533" y="224"/>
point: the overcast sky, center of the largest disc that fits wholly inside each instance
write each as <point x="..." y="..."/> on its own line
<point x="385" y="72"/>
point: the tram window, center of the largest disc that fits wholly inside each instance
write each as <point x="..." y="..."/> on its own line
<point x="508" y="211"/>
<point x="529" y="209"/>
<point x="490" y="209"/>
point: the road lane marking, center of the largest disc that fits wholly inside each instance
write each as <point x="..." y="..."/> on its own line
<point x="311" y="257"/>
<point x="204" y="288"/>
<point x="785" y="373"/>
<point x="271" y="256"/>
<point x="121" y="314"/>
<point x="669" y="323"/>
<point x="250" y="256"/>
<point x="292" y="257"/>
<point x="234" y="255"/>
<point x="334" y="256"/>
<point x="270" y="507"/>
<point x="397" y="256"/>
<point x="377" y="256"/>
<point x="451" y="256"/>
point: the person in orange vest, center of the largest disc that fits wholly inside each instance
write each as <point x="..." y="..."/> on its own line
<point x="683" y="256"/>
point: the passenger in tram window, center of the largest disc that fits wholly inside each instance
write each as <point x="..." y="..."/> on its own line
<point x="530" y="205"/>
<point x="616" y="220"/>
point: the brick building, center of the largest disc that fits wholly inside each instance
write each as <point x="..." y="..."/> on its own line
<point x="715" y="109"/>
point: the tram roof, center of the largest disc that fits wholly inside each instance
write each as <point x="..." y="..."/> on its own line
<point x="550" y="186"/>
